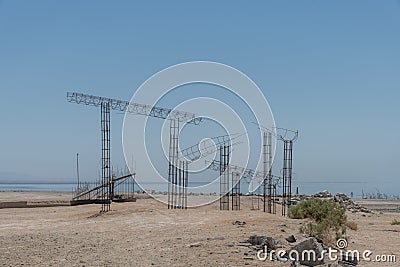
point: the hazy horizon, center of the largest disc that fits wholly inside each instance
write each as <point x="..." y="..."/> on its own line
<point x="328" y="69"/>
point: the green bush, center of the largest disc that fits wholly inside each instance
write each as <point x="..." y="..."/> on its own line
<point x="395" y="222"/>
<point x="328" y="219"/>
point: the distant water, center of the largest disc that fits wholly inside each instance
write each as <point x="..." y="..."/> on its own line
<point x="357" y="188"/>
<point x="303" y="188"/>
<point x="38" y="187"/>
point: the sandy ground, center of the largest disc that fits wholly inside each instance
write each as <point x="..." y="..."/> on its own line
<point x="35" y="196"/>
<point x="146" y="233"/>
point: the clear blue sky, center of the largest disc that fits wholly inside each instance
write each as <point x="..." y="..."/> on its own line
<point x="330" y="69"/>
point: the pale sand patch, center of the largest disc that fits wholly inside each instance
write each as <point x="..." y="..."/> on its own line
<point x="146" y="233"/>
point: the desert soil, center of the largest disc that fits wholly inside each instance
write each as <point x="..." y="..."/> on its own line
<point x="146" y="233"/>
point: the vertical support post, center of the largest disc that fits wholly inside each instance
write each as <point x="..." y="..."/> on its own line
<point x="265" y="171"/>
<point x="287" y="175"/>
<point x="176" y="162"/>
<point x="284" y="178"/>
<point x="133" y="186"/>
<point x="77" y="171"/>
<point x="290" y="173"/>
<point x="273" y="198"/>
<point x="170" y="165"/>
<point x="224" y="177"/>
<point x="181" y="184"/>
<point x="269" y="155"/>
<point x="174" y="174"/>
<point x="235" y="191"/>
<point x="105" y="157"/>
<point x="267" y="183"/>
<point x="221" y="182"/>
<point x="255" y="198"/>
<point x="186" y="182"/>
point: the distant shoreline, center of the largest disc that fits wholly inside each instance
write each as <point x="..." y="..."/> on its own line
<point x="31" y="183"/>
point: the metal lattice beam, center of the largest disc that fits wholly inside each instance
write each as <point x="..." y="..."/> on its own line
<point x="247" y="174"/>
<point x="134" y="108"/>
<point x="193" y="152"/>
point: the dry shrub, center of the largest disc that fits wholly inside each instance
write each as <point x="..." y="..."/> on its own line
<point x="328" y="219"/>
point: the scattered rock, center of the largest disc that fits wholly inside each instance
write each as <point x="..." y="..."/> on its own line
<point x="308" y="245"/>
<point x="323" y="194"/>
<point x="244" y="244"/>
<point x="256" y="240"/>
<point x="264" y="241"/>
<point x="216" y="238"/>
<point x="291" y="239"/>
<point x="195" y="245"/>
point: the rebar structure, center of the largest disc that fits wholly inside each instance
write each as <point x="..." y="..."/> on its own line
<point x="105" y="187"/>
<point x="181" y="174"/>
<point x="106" y="194"/>
<point x="271" y="186"/>
<point x="247" y="175"/>
<point x="124" y="190"/>
<point x="287" y="175"/>
<point x="185" y="183"/>
<point x="235" y="191"/>
<point x="180" y="183"/>
<point x="287" y="171"/>
<point x="177" y="171"/>
<point x="255" y="199"/>
<point x="172" y="163"/>
<point x="267" y="183"/>
<point x="193" y="152"/>
<point x="273" y="189"/>
<point x="134" y="108"/>
<point x="224" y="177"/>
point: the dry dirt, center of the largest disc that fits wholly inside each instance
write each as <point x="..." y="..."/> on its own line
<point x="146" y="233"/>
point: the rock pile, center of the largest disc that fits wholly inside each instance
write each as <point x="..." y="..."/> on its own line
<point x="346" y="202"/>
<point x="342" y="199"/>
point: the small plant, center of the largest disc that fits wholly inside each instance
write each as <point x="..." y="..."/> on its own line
<point x="328" y="219"/>
<point x="395" y="222"/>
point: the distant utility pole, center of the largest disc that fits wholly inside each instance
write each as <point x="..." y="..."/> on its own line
<point x="77" y="167"/>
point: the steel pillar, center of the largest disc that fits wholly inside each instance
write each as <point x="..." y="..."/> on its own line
<point x="287" y="175"/>
<point x="224" y="177"/>
<point x="105" y="157"/>
<point x="235" y="191"/>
